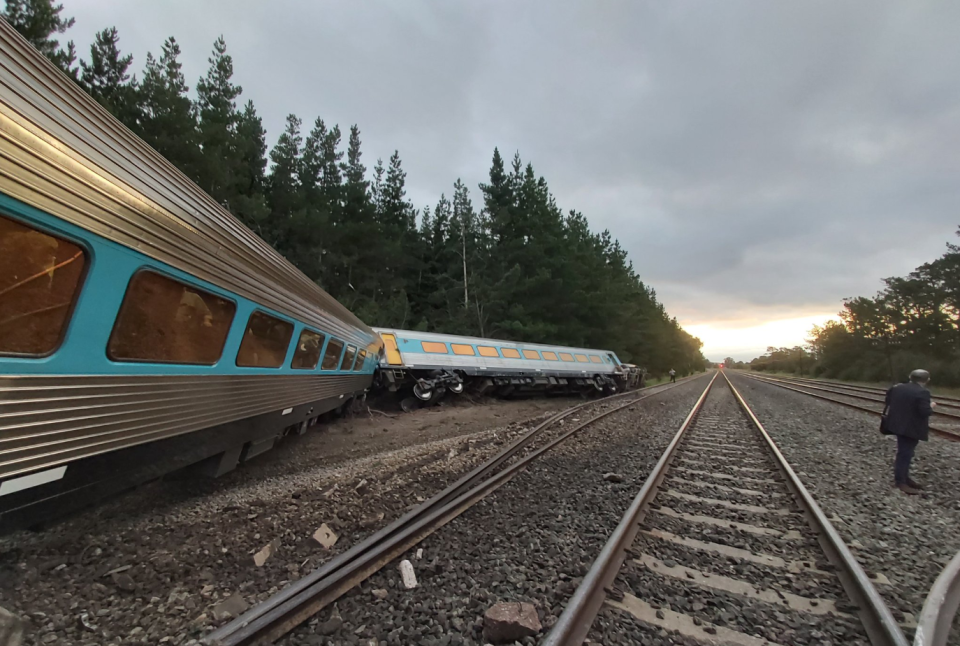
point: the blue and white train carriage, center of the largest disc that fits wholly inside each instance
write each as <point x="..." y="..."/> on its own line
<point x="142" y="327"/>
<point x="431" y="363"/>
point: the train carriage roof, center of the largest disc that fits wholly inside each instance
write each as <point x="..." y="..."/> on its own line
<point x="475" y="340"/>
<point x="66" y="155"/>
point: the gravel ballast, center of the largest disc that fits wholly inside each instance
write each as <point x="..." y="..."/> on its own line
<point x="530" y="541"/>
<point x="847" y="465"/>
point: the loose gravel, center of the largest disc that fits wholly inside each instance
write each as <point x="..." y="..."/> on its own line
<point x="848" y="466"/>
<point x="530" y="541"/>
<point x="721" y="450"/>
<point x="156" y="573"/>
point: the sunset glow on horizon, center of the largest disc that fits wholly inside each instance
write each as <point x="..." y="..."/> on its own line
<point x="744" y="341"/>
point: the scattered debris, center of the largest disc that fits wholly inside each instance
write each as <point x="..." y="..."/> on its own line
<point x="332" y="624"/>
<point x="507" y="622"/>
<point x="325" y="536"/>
<point x="370" y="521"/>
<point x="124" y="582"/>
<point x="419" y="553"/>
<point x="408" y="575"/>
<point x="85" y="623"/>
<point x="613" y="477"/>
<point x="362" y="487"/>
<point x="117" y="570"/>
<point x="11" y="628"/>
<point x="230" y="607"/>
<point x="380" y="593"/>
<point x="380" y="412"/>
<point x="268" y="550"/>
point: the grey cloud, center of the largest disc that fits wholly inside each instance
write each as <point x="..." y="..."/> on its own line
<point x="755" y="157"/>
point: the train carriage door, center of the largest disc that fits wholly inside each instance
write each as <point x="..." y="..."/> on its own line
<point x="393" y="350"/>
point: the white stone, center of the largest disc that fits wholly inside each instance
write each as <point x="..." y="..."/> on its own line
<point x="408" y="575"/>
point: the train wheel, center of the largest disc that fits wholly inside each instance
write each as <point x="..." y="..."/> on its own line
<point x="421" y="393"/>
<point x="409" y="404"/>
<point x="456" y="388"/>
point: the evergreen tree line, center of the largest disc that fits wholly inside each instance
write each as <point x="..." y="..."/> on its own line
<point x="515" y="266"/>
<point x="914" y="322"/>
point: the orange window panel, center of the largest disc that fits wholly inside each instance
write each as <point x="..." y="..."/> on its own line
<point x="566" y="356"/>
<point x="435" y="348"/>
<point x="531" y="354"/>
<point x="595" y="359"/>
<point x="487" y="351"/>
<point x="550" y="356"/>
<point x="463" y="349"/>
<point x="582" y="358"/>
<point x="510" y="353"/>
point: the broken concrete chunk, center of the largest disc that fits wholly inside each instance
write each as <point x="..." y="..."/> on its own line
<point x="11" y="628"/>
<point x="408" y="575"/>
<point x="419" y="553"/>
<point x="380" y="593"/>
<point x="325" y="536"/>
<point x="230" y="607"/>
<point x="613" y="477"/>
<point x="507" y="622"/>
<point x="268" y="550"/>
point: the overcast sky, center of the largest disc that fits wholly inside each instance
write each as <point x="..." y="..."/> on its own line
<point x="758" y="160"/>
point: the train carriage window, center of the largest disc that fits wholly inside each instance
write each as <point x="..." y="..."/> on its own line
<point x="307" y="354"/>
<point x="435" y="348"/>
<point x="40" y="278"/>
<point x="331" y="358"/>
<point x="265" y="342"/>
<point x="361" y="358"/>
<point x="582" y="358"/>
<point x="510" y="353"/>
<point x="487" y="351"/>
<point x="463" y="349"/>
<point x="348" y="357"/>
<point x="531" y="354"/>
<point x="595" y="359"/>
<point x="566" y="356"/>
<point x="550" y="356"/>
<point x="162" y="320"/>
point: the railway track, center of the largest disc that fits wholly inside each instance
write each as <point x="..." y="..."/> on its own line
<point x="942" y="400"/>
<point x="724" y="545"/>
<point x="948" y="421"/>
<point x="278" y="615"/>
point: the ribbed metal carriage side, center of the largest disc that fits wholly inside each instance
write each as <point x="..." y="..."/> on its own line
<point x="64" y="154"/>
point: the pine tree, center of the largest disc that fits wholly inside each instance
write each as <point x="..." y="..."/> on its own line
<point x="168" y="119"/>
<point x="38" y="21"/>
<point x="250" y="181"/>
<point x="105" y="78"/>
<point x="216" y="99"/>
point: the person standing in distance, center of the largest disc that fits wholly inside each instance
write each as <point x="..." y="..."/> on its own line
<point x="908" y="415"/>
<point x="673" y="376"/>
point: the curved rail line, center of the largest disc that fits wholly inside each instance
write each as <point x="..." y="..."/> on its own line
<point x="281" y="613"/>
<point x="577" y="618"/>
<point x="940" y="432"/>
<point x="940" y="607"/>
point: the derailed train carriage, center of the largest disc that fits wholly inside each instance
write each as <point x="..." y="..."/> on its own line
<point x="142" y="327"/>
<point x="430" y="365"/>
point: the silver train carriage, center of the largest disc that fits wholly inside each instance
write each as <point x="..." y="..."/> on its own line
<point x="142" y="327"/>
<point x="431" y="364"/>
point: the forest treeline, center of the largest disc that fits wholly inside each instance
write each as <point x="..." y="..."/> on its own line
<point x="514" y="265"/>
<point x="914" y="322"/>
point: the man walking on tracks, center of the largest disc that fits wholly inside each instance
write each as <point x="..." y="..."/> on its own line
<point x="907" y="415"/>
<point x="673" y="376"/>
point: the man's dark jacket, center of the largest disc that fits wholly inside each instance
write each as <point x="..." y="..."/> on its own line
<point x="909" y="411"/>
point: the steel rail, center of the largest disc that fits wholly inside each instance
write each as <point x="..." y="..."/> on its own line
<point x="940" y="607"/>
<point x="577" y="617"/>
<point x="853" y="395"/>
<point x="574" y="623"/>
<point x="947" y="435"/>
<point x="877" y="620"/>
<point x="290" y="607"/>
<point x="953" y="402"/>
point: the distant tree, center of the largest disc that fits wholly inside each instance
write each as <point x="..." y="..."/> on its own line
<point x="39" y="21"/>
<point x="105" y="78"/>
<point x="216" y="98"/>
